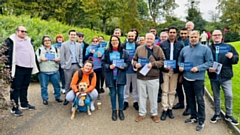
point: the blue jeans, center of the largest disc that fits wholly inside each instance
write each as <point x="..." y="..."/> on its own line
<point x="62" y="77"/>
<point x="44" y="80"/>
<point x="114" y="90"/>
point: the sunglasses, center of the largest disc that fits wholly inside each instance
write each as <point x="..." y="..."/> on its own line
<point x="23" y="31"/>
<point x="172" y="32"/>
<point x="94" y="41"/>
<point x="152" y="31"/>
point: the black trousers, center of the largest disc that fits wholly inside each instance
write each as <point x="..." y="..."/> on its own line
<point x="19" y="86"/>
<point x="195" y="92"/>
<point x="181" y="95"/>
<point x="102" y="79"/>
<point x="99" y="75"/>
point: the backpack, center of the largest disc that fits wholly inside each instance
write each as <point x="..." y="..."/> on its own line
<point x="80" y="74"/>
<point x="39" y="52"/>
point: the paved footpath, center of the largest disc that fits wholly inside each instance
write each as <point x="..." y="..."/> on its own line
<point x="54" y="119"/>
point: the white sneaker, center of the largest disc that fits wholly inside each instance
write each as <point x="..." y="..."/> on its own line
<point x="92" y="106"/>
<point x="63" y="91"/>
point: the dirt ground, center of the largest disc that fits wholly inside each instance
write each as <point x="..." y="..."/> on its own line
<point x="54" y="119"/>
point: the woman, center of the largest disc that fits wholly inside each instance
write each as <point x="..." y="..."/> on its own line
<point x="48" y="58"/>
<point x="87" y="70"/>
<point x="115" y="76"/>
<point x="95" y="52"/>
<point x="142" y="41"/>
<point x="136" y="35"/>
<point x="58" y="43"/>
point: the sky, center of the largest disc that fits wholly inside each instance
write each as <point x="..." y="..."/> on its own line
<point x="205" y="6"/>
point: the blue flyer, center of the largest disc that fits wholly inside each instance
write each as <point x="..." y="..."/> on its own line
<point x="119" y="63"/>
<point x="222" y="49"/>
<point x="103" y="44"/>
<point x="93" y="47"/>
<point x="131" y="52"/>
<point x="143" y="61"/>
<point x="187" y="66"/>
<point x="170" y="63"/>
<point x="50" y="56"/>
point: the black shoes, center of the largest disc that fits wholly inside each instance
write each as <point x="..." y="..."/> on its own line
<point x="178" y="106"/>
<point x="65" y="102"/>
<point x="45" y="102"/>
<point x="125" y="105"/>
<point x="164" y="115"/>
<point x="121" y="115"/>
<point x="102" y="90"/>
<point x="170" y="114"/>
<point x="27" y="107"/>
<point x="114" y="115"/>
<point x="187" y="112"/>
<point x="135" y="105"/>
<point x="59" y="100"/>
<point x="16" y="112"/>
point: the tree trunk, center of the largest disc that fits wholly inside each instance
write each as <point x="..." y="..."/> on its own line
<point x="104" y="21"/>
<point x="122" y="25"/>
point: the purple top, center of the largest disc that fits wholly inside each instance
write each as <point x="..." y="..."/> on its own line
<point x="24" y="53"/>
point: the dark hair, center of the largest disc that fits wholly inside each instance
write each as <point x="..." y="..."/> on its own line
<point x="119" y="44"/>
<point x="174" y="28"/>
<point x="80" y="34"/>
<point x="184" y="29"/>
<point x="153" y="28"/>
<point x="136" y="33"/>
<point x="71" y="31"/>
<point x="46" y="36"/>
<point x="90" y="60"/>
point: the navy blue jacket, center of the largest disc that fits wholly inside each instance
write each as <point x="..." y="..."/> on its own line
<point x="108" y="73"/>
<point x="166" y="47"/>
<point x="226" y="71"/>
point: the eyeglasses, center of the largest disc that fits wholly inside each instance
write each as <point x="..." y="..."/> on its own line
<point x="215" y="35"/>
<point x="47" y="40"/>
<point x="114" y="40"/>
<point x="23" y="31"/>
<point x="94" y="41"/>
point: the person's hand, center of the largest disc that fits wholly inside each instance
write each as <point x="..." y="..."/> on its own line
<point x="180" y="79"/>
<point x="56" y="59"/>
<point x="112" y="66"/>
<point x="229" y="55"/>
<point x="194" y="69"/>
<point x="168" y="68"/>
<point x="149" y="65"/>
<point x="181" y="69"/>
<point x="43" y="59"/>
<point x="99" y="54"/>
<point x="138" y="65"/>
<point x="211" y="70"/>
<point x="92" y="51"/>
<point x="121" y="67"/>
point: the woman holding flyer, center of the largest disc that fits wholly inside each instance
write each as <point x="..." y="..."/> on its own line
<point x="48" y="59"/>
<point x="96" y="52"/>
<point x="115" y="63"/>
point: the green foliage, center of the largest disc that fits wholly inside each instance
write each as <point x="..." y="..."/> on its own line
<point x="37" y="28"/>
<point x="235" y="87"/>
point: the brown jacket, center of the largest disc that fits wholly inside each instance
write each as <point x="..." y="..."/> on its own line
<point x="154" y="72"/>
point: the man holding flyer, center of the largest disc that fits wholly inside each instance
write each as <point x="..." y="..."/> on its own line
<point x="148" y="57"/>
<point x="171" y="48"/>
<point x="194" y="60"/>
<point x="220" y="74"/>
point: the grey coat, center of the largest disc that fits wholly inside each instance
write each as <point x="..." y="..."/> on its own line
<point x="66" y="55"/>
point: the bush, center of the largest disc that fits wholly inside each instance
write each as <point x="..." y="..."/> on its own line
<point x="37" y="28"/>
<point x="4" y="80"/>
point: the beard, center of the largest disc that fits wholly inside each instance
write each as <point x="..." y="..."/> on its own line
<point x="131" y="40"/>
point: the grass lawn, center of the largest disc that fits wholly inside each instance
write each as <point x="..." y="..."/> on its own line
<point x="235" y="87"/>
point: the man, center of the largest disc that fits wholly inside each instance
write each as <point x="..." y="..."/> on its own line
<point x="117" y="32"/>
<point x="190" y="26"/>
<point x="71" y="59"/>
<point x="154" y="32"/>
<point x="199" y="58"/>
<point x="171" y="48"/>
<point x="22" y="63"/>
<point x="163" y="37"/>
<point x="148" y="84"/>
<point x="84" y="45"/>
<point x="222" y="79"/>
<point x="184" y="38"/>
<point x="130" y="46"/>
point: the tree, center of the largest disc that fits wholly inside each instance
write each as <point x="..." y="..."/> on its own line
<point x="160" y="8"/>
<point x="230" y="13"/>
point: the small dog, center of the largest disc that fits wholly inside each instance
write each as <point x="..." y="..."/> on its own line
<point x="81" y="100"/>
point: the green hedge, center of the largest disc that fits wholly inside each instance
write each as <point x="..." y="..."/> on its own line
<point x="37" y="28"/>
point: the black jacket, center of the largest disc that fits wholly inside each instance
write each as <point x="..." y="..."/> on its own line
<point x="121" y="76"/>
<point x="84" y="50"/>
<point x="166" y="47"/>
<point x="124" y="45"/>
<point x="226" y="71"/>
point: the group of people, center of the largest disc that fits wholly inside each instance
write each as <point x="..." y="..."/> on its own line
<point x="153" y="67"/>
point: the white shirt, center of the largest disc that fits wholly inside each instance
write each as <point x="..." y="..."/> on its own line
<point x="171" y="51"/>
